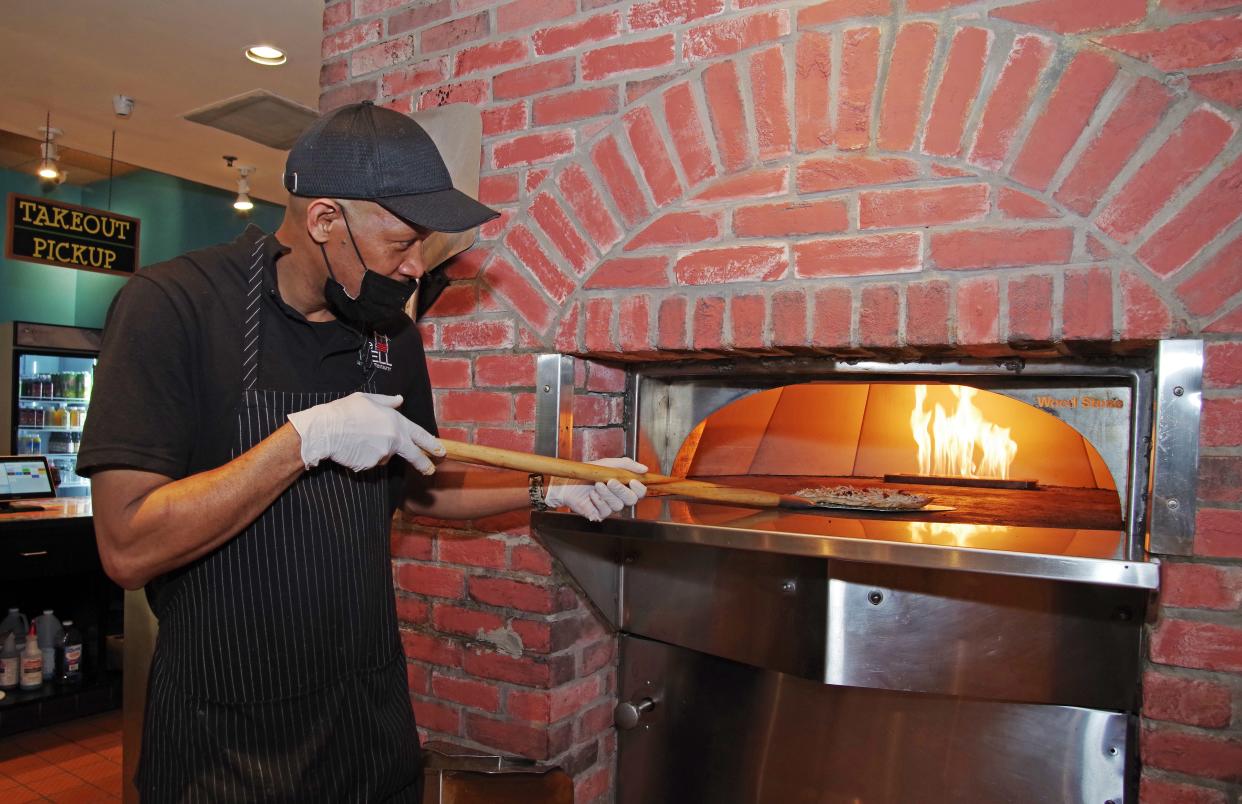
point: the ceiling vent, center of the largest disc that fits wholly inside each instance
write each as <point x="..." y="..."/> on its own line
<point x="259" y="116"/>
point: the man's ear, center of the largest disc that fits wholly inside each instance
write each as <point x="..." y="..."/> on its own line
<point x="321" y="214"/>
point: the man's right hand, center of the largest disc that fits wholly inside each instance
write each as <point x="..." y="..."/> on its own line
<point x="361" y="431"/>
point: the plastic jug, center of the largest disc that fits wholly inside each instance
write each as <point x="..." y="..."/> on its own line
<point x="69" y="655"/>
<point x="49" y="635"/>
<point x="16" y="624"/>
<point x="10" y="663"/>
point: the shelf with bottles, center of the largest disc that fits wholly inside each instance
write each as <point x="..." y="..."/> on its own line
<point x="56" y="443"/>
<point x="56" y="418"/>
<point x="57" y="385"/>
<point x="56" y="400"/>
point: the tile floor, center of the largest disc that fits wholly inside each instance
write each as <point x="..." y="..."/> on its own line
<point x="78" y="761"/>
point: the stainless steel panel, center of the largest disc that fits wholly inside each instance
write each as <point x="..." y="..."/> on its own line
<point x="594" y="563"/>
<point x="980" y="636"/>
<point x="881" y="625"/>
<point x="846" y="538"/>
<point x="727" y="733"/>
<point x="762" y="609"/>
<point x="668" y="412"/>
<point x="554" y="405"/>
<point x="1175" y="478"/>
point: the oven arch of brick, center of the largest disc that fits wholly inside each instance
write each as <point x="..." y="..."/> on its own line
<point x="919" y="246"/>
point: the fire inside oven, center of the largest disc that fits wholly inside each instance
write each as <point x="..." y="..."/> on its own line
<point x="994" y="461"/>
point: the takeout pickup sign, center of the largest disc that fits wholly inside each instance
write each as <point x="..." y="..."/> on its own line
<point x="56" y="233"/>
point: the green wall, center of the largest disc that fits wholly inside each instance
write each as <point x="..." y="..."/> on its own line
<point x="176" y="215"/>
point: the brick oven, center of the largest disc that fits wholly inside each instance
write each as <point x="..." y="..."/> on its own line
<point x="706" y="180"/>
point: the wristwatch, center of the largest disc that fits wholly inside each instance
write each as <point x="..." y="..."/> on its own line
<point x="536" y="492"/>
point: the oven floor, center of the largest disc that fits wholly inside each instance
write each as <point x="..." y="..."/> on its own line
<point x="1046" y="507"/>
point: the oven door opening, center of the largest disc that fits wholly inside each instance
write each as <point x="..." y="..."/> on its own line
<point x="1015" y="475"/>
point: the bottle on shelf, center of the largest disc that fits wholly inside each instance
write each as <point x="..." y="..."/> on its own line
<point x="10" y="663"/>
<point x="69" y="655"/>
<point x="32" y="662"/>
<point x="16" y="624"/>
<point x="29" y="386"/>
<point x="49" y="634"/>
<point x="59" y="443"/>
<point x="60" y="417"/>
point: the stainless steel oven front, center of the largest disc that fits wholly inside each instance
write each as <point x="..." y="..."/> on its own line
<point x="990" y="653"/>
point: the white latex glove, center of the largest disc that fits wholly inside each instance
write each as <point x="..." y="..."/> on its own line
<point x="361" y="431"/>
<point x="597" y="500"/>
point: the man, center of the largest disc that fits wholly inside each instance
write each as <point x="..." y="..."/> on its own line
<point x="248" y="401"/>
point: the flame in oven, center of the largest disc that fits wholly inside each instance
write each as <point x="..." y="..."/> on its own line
<point x="949" y="443"/>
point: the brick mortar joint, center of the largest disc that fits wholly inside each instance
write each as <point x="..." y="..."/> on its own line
<point x="1172" y="777"/>
<point x="1228" y="734"/>
<point x="1229" y="679"/>
<point x="1228" y="619"/>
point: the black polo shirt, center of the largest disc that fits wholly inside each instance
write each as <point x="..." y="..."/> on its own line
<point x="169" y="377"/>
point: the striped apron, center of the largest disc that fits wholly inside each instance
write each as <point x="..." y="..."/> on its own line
<point x="278" y="674"/>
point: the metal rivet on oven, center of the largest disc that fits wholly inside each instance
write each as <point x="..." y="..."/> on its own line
<point x="1173" y="505"/>
<point x="1178" y="390"/>
<point x="547" y="389"/>
<point x="789" y="587"/>
<point x="1112" y="750"/>
<point x="875" y="597"/>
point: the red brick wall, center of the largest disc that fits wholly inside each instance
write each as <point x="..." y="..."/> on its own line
<point x="704" y="177"/>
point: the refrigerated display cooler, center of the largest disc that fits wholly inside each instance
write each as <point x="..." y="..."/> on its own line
<point x="46" y="376"/>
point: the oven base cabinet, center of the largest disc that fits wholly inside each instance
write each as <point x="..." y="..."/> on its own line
<point x="730" y="733"/>
<point x="759" y="669"/>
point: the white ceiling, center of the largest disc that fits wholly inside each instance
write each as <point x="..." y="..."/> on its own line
<point x="70" y="57"/>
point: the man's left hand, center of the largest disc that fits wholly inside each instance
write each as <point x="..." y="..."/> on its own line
<point x="597" y="500"/>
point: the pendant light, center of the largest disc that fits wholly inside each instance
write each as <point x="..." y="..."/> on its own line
<point x="243" y="202"/>
<point x="49" y="168"/>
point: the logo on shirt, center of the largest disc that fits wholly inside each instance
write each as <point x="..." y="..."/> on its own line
<point x="380" y="356"/>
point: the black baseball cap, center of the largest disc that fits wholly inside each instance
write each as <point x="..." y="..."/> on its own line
<point x="366" y="152"/>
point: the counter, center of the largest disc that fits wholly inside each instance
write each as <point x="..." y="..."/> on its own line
<point x="49" y="559"/>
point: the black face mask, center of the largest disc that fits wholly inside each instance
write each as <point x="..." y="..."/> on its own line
<point x="380" y="305"/>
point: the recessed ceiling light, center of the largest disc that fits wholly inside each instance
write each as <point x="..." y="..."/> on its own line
<point x="266" y="55"/>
